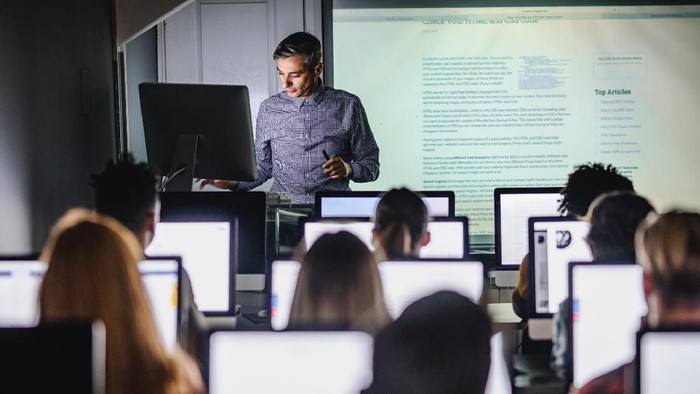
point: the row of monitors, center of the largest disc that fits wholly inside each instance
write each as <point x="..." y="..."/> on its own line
<point x="403" y="282"/>
<point x="20" y="281"/>
<point x="242" y="266"/>
<point x="71" y="357"/>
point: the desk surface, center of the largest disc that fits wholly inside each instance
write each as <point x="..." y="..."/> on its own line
<point x="502" y="312"/>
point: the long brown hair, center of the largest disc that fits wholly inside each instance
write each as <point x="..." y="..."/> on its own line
<point x="339" y="287"/>
<point x="92" y="275"/>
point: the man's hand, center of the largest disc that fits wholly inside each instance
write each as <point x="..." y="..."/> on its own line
<point x="336" y="168"/>
<point x="218" y="183"/>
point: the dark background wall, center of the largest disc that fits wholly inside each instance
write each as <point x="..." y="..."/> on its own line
<point x="56" y="112"/>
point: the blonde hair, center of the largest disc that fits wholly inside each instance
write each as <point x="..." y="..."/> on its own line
<point x="668" y="247"/>
<point x="339" y="287"/>
<point x="92" y="275"/>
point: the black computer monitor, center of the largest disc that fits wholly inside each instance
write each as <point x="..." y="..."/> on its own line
<point x="67" y="357"/>
<point x="247" y="207"/>
<point x="512" y="207"/>
<point x="364" y="203"/>
<point x="200" y="131"/>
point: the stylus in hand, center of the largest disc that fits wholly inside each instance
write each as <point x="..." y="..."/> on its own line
<point x="325" y="154"/>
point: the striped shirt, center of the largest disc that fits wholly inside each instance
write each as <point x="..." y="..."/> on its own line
<point x="292" y="132"/>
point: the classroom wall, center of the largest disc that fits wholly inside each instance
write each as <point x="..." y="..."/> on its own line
<point x="56" y="112"/>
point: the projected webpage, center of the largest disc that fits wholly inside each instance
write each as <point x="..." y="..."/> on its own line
<point x="205" y="251"/>
<point x="469" y="99"/>
<point x="19" y="292"/>
<point x="608" y="305"/>
<point x="557" y="244"/>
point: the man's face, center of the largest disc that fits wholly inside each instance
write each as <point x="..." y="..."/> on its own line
<point x="297" y="80"/>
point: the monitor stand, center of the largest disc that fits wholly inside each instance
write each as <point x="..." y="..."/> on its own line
<point x="182" y="166"/>
<point x="506" y="277"/>
<point x="250" y="282"/>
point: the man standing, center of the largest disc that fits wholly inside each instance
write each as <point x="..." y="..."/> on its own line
<point x="310" y="137"/>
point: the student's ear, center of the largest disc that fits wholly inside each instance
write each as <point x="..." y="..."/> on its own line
<point x="149" y="229"/>
<point x="426" y="239"/>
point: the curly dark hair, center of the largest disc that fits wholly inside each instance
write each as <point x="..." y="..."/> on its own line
<point x="127" y="191"/>
<point x="587" y="182"/>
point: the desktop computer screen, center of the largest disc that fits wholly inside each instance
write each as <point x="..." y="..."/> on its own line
<point x="554" y="243"/>
<point x="405" y="282"/>
<point x="364" y="204"/>
<point x="448" y="236"/>
<point x="205" y="248"/>
<point x="608" y="305"/>
<point x="668" y="362"/>
<point x="289" y="362"/>
<point x="512" y="208"/>
<point x="20" y="281"/>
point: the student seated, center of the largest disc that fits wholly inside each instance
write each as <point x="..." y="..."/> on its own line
<point x="667" y="247"/>
<point x="614" y="218"/>
<point x="128" y="191"/>
<point x="400" y="225"/>
<point x="439" y="344"/>
<point x="92" y="275"/>
<point x="338" y="287"/>
<point x="585" y="184"/>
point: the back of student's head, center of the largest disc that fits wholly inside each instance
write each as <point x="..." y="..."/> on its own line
<point x="439" y="344"/>
<point x="400" y="222"/>
<point x="586" y="183"/>
<point x="614" y="218"/>
<point x="668" y="247"/>
<point x="92" y="275"/>
<point x="339" y="287"/>
<point x="127" y="191"/>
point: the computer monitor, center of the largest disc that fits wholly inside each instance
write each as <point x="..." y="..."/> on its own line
<point x="608" y="305"/>
<point x="554" y="243"/>
<point x="20" y="280"/>
<point x="161" y="277"/>
<point x="67" y="357"/>
<point x="289" y="362"/>
<point x="512" y="207"/>
<point x="249" y="208"/>
<point x="405" y="282"/>
<point x="448" y="236"/>
<point x="668" y="361"/>
<point x="208" y="255"/>
<point x="204" y="131"/>
<point x="283" y="283"/>
<point x="339" y="204"/>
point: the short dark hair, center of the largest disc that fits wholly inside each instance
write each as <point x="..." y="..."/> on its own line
<point x="300" y="44"/>
<point x="400" y="211"/>
<point x="127" y="191"/>
<point x="440" y="344"/>
<point x="615" y="217"/>
<point x="587" y="182"/>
